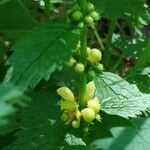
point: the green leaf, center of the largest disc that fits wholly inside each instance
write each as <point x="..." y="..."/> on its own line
<point x="72" y="140"/>
<point x="118" y="97"/>
<point x="115" y="9"/>
<point x="127" y="138"/>
<point x="41" y="126"/>
<point x="133" y="47"/>
<point x="8" y="96"/>
<point x="3" y="1"/>
<point x="38" y="54"/>
<point x="19" y="19"/>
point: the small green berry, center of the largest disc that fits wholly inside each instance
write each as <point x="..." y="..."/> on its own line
<point x="79" y="68"/>
<point x="77" y="16"/>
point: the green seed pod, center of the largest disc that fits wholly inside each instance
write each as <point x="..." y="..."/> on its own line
<point x="88" y="114"/>
<point x="95" y="15"/>
<point x="79" y="68"/>
<point x="90" y="7"/>
<point x="75" y="124"/>
<point x="89" y="20"/>
<point x="77" y="16"/>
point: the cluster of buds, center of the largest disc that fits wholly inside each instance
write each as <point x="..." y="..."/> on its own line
<point x="94" y="56"/>
<point x="77" y="17"/>
<point x="70" y="107"/>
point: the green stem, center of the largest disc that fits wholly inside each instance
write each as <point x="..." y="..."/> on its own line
<point x="98" y="38"/>
<point x="83" y="55"/>
<point x="47" y="10"/>
<point x="118" y="63"/>
<point x="109" y="40"/>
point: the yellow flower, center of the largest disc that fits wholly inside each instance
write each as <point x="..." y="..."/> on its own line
<point x="94" y="56"/>
<point x="65" y="93"/>
<point x="71" y="105"/>
<point x="88" y="114"/>
<point x="78" y="114"/>
<point x="94" y="104"/>
<point x="90" y="89"/>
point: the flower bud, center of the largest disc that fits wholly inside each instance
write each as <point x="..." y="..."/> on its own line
<point x="65" y="117"/>
<point x="89" y="7"/>
<point x="78" y="114"/>
<point x="88" y="49"/>
<point x="65" y="93"/>
<point x="68" y="105"/>
<point x="77" y="16"/>
<point x="91" y="74"/>
<point x="76" y="7"/>
<point x="71" y="62"/>
<point x="79" y="68"/>
<point x="81" y="25"/>
<point x="90" y="89"/>
<point x="95" y="15"/>
<point x="94" y="56"/>
<point x="89" y="20"/>
<point x="94" y="104"/>
<point x="88" y="114"/>
<point x="76" y="124"/>
<point x="99" y="67"/>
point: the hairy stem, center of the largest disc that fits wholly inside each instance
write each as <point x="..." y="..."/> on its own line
<point x="47" y="10"/>
<point x="109" y="39"/>
<point x="83" y="54"/>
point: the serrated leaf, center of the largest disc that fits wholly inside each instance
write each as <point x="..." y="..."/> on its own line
<point x="73" y="140"/>
<point x="8" y="96"/>
<point x="39" y="53"/>
<point x="127" y="138"/>
<point x="3" y="1"/>
<point x="123" y="9"/>
<point x="19" y="19"/>
<point x="118" y="97"/>
<point x="41" y="127"/>
<point x="133" y="47"/>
